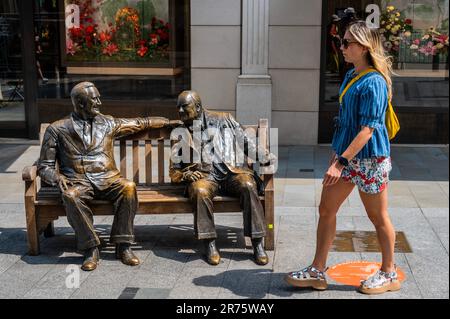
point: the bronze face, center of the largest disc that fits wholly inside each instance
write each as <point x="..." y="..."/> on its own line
<point x="86" y="100"/>
<point x="189" y="107"/>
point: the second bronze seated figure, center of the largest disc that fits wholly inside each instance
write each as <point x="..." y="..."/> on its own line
<point x="206" y="179"/>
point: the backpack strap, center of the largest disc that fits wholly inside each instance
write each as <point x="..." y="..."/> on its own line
<point x="349" y="85"/>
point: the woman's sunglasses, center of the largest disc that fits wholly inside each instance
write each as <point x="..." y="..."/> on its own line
<point x="345" y="43"/>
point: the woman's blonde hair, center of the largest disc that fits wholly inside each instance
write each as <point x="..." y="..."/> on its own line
<point x="371" y="39"/>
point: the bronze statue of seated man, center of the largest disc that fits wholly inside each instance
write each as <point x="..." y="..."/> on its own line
<point x="83" y="146"/>
<point x="206" y="179"/>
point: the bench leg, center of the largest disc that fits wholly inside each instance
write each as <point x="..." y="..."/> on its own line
<point x="32" y="231"/>
<point x="49" y="230"/>
<point x="269" y="241"/>
<point x="30" y="211"/>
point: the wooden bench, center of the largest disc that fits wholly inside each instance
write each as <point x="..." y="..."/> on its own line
<point x="43" y="204"/>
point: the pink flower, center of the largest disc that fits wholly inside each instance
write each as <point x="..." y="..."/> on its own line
<point x="442" y="38"/>
<point x="416" y="42"/>
<point x="428" y="49"/>
<point x="71" y="48"/>
<point x="110" y="49"/>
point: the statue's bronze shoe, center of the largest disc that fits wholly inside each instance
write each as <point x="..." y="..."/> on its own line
<point x="124" y="253"/>
<point x="259" y="253"/>
<point x="212" y="254"/>
<point x="91" y="258"/>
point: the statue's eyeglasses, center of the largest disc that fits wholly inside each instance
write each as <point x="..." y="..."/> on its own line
<point x="346" y="43"/>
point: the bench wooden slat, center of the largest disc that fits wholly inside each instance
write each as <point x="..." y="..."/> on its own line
<point x="148" y="162"/>
<point x="136" y="161"/>
<point x="53" y="209"/>
<point x="161" y="161"/>
<point x="123" y="158"/>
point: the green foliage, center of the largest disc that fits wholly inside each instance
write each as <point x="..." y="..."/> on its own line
<point x="109" y="9"/>
<point x="444" y="26"/>
<point x="146" y="11"/>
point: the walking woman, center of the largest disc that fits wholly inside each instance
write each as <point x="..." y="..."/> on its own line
<point x="361" y="157"/>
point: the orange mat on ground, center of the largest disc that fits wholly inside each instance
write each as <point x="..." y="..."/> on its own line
<point x="351" y="273"/>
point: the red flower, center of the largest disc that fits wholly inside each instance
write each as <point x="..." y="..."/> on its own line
<point x="76" y="32"/>
<point x="154" y="37"/>
<point x="90" y="29"/>
<point x="105" y="37"/>
<point x="88" y="40"/>
<point x="164" y="36"/>
<point x="408" y="21"/>
<point x="442" y="38"/>
<point x="142" y="51"/>
<point x="110" y="49"/>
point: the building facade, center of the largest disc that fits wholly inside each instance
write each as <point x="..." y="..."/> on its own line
<point x="277" y="59"/>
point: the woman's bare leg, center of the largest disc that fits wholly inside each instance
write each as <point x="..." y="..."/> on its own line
<point x="332" y="198"/>
<point x="376" y="207"/>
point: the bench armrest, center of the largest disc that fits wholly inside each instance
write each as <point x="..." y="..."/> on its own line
<point x="29" y="173"/>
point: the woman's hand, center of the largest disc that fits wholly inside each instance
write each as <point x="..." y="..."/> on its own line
<point x="333" y="158"/>
<point x="333" y="174"/>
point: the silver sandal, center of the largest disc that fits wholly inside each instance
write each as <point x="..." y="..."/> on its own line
<point x="304" y="279"/>
<point x="380" y="282"/>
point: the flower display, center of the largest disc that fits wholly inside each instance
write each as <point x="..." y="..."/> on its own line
<point x="393" y="28"/>
<point x="127" y="27"/>
<point x="123" y="39"/>
<point x="431" y="43"/>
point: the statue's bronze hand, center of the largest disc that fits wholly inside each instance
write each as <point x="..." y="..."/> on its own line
<point x="63" y="183"/>
<point x="193" y="176"/>
<point x="159" y="122"/>
<point x="175" y="123"/>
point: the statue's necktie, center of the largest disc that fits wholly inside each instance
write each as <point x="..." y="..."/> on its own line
<point x="87" y="132"/>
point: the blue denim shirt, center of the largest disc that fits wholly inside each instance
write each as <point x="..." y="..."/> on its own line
<point x="364" y="104"/>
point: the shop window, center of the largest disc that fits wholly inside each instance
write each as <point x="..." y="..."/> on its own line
<point x="131" y="50"/>
<point x="12" y="108"/>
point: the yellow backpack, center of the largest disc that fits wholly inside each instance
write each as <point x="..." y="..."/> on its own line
<point x="392" y="122"/>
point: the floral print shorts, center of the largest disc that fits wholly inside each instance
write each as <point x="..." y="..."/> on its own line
<point x="370" y="175"/>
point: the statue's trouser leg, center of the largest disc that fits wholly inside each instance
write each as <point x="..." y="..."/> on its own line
<point x="244" y="187"/>
<point x="201" y="194"/>
<point x="122" y="193"/>
<point x="80" y="216"/>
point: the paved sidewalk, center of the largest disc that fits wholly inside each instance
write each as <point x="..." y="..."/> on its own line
<point x="173" y="268"/>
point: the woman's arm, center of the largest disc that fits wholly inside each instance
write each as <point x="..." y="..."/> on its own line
<point x="334" y="172"/>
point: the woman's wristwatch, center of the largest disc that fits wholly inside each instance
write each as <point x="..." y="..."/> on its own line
<point x="343" y="161"/>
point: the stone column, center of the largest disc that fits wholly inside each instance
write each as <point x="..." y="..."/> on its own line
<point x="254" y="87"/>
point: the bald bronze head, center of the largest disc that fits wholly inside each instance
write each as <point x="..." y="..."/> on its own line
<point x="86" y="100"/>
<point x="189" y="107"/>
